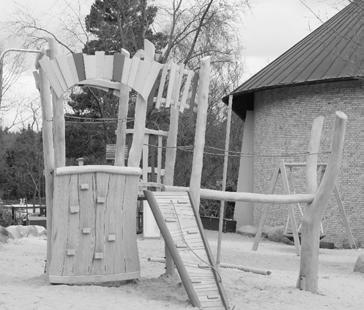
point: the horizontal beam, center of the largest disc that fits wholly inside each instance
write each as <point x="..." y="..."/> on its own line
<point x="98" y="168"/>
<point x="254" y="197"/>
<point x="247" y="197"/>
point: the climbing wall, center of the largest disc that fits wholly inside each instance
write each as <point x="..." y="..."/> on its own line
<point x="183" y="234"/>
<point x="94" y="227"/>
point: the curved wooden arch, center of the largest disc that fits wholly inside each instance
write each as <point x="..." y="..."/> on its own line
<point x="174" y="83"/>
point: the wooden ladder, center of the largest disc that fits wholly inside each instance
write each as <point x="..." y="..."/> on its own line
<point x="184" y="236"/>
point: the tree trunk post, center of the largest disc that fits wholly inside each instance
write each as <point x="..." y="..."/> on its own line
<point x="169" y="169"/>
<point x="199" y="144"/>
<point x="308" y="275"/>
<point x="122" y="119"/>
<point x="48" y="150"/>
<point x="59" y="140"/>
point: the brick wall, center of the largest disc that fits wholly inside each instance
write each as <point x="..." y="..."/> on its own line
<point x="283" y="119"/>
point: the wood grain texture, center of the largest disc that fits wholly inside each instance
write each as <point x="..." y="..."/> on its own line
<point x="45" y="64"/>
<point x="60" y="225"/>
<point x="90" y="66"/>
<point x="131" y="256"/>
<point x="101" y="191"/>
<point x="199" y="143"/>
<point x="86" y="247"/>
<point x="100" y="64"/>
<point x="73" y="231"/>
<point x="108" y="67"/>
<point x="72" y="68"/>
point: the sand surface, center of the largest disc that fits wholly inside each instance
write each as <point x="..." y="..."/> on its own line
<point x="24" y="286"/>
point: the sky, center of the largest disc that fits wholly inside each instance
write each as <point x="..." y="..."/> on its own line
<point x="266" y="30"/>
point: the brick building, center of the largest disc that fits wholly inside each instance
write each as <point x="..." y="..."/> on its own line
<point x="321" y="74"/>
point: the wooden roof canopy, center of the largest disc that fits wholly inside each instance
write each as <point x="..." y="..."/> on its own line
<point x="334" y="51"/>
<point x="172" y="84"/>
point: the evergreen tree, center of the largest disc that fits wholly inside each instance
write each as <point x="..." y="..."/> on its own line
<point x="116" y="24"/>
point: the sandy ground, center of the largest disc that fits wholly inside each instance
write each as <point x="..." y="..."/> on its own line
<point x="23" y="285"/>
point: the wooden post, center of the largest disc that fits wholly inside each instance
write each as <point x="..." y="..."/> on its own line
<point x="59" y="140"/>
<point x="140" y="117"/>
<point x="122" y="119"/>
<point x="170" y="161"/>
<point x="48" y="151"/>
<point x="224" y="177"/>
<point x="199" y="144"/>
<point x="313" y="149"/>
<point x="308" y="275"/>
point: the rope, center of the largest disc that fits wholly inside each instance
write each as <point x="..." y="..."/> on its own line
<point x="189" y="148"/>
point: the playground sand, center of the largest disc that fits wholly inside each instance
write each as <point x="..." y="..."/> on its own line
<point x="23" y="285"/>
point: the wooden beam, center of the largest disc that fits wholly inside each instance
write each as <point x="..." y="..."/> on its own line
<point x="308" y="275"/>
<point x="48" y="151"/>
<point x="122" y="120"/>
<point x="140" y="118"/>
<point x="59" y="140"/>
<point x="254" y="197"/>
<point x="199" y="144"/>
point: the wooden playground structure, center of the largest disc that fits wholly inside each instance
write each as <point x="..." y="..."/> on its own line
<point x="91" y="209"/>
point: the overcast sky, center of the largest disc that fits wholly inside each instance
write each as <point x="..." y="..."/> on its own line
<point x="267" y="30"/>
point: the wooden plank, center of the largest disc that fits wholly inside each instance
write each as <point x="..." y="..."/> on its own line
<point x="60" y="225"/>
<point x="86" y="248"/>
<point x="151" y="79"/>
<point x="72" y="68"/>
<point x="100" y="64"/>
<point x="108" y="67"/>
<point x="114" y="251"/>
<point x="58" y="73"/>
<point x="80" y="66"/>
<point x="134" y="66"/>
<point x="90" y="66"/>
<point x="126" y="71"/>
<point x="102" y="184"/>
<point x="118" y="65"/>
<point x="141" y="76"/>
<point x="131" y="256"/>
<point x="161" y="86"/>
<point x="73" y="231"/>
<point x="51" y="76"/>
<point x="68" y="77"/>
<point x="171" y="81"/>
